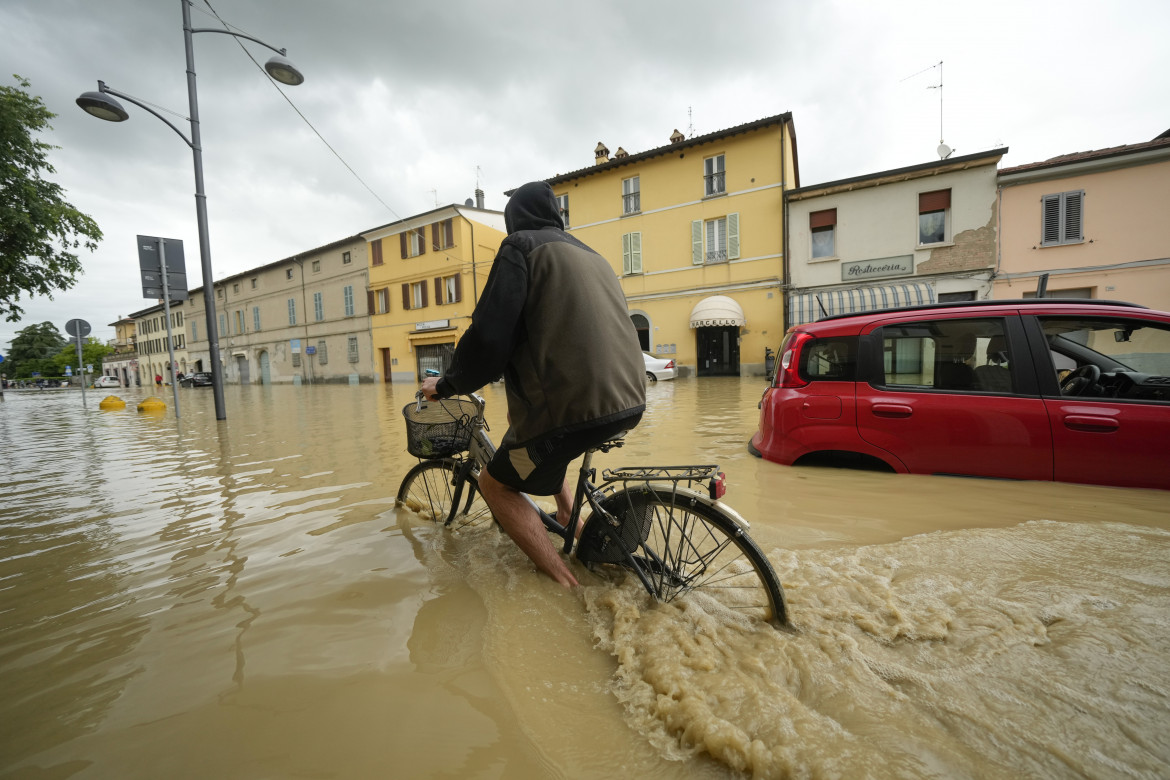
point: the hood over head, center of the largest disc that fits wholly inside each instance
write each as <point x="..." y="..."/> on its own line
<point x="531" y="207"/>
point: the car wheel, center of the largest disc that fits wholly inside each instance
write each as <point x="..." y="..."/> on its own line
<point x="650" y="377"/>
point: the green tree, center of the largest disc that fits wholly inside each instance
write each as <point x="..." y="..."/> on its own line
<point x="39" y="230"/>
<point x="92" y="352"/>
<point x="33" y="349"/>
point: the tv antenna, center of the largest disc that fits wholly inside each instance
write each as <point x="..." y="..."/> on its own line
<point x="943" y="150"/>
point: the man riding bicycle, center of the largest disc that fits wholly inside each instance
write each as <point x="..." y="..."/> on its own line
<point x="553" y="321"/>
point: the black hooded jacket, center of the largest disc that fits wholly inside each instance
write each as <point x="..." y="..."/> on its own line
<point x="553" y="321"/>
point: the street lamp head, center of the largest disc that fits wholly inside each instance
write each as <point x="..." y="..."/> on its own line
<point x="102" y="106"/>
<point x="284" y="71"/>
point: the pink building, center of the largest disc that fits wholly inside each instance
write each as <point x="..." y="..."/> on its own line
<point x="1098" y="223"/>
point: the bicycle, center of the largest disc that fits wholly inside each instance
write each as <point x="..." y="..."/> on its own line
<point x="651" y="521"/>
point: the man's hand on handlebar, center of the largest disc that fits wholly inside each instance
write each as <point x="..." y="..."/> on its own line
<point x="429" y="388"/>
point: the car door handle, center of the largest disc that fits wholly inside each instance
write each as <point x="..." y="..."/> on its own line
<point x="1091" y="423"/>
<point x="891" y="410"/>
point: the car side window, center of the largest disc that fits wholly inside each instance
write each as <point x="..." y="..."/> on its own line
<point x="947" y="354"/>
<point x="1113" y="358"/>
<point x="830" y="359"/>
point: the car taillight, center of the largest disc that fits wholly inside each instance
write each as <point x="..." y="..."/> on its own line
<point x="788" y="372"/>
<point x="670" y="364"/>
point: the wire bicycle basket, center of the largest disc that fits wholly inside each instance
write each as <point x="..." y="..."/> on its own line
<point x="439" y="429"/>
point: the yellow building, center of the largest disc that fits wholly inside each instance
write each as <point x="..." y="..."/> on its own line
<point x="426" y="274"/>
<point x="695" y="231"/>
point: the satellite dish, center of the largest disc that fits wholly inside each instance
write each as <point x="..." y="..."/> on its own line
<point x="469" y="202"/>
<point x="944" y="151"/>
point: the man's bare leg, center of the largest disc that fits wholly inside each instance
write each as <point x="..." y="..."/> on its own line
<point x="519" y="519"/>
<point x="565" y="508"/>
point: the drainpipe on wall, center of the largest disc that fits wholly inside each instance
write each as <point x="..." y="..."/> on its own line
<point x="784" y="229"/>
<point x="998" y="236"/>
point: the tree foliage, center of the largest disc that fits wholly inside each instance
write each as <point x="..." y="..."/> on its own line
<point x="92" y="352"/>
<point x="34" y="349"/>
<point x="39" y="231"/>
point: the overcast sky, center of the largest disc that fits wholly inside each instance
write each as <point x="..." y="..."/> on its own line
<point x="425" y="100"/>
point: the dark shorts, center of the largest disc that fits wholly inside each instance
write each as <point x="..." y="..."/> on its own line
<point x="539" y="468"/>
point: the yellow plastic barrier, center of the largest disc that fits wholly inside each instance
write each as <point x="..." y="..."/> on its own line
<point x="112" y="402"/>
<point x="152" y="404"/>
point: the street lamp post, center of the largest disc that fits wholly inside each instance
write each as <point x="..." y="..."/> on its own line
<point x="102" y="106"/>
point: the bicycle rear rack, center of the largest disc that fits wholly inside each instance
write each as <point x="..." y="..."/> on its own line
<point x="688" y="474"/>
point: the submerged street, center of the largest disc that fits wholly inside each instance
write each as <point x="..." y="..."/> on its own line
<point x="241" y="599"/>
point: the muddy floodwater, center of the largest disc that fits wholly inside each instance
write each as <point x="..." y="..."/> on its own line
<point x="241" y="599"/>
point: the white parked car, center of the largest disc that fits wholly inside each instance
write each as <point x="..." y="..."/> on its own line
<point x="659" y="368"/>
<point x="107" y="381"/>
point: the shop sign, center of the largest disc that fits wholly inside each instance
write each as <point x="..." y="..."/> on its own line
<point x="432" y="325"/>
<point x="881" y="268"/>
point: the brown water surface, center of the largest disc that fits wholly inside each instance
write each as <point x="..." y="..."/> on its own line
<point x="241" y="599"/>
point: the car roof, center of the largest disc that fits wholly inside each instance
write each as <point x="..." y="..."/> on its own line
<point x="987" y="304"/>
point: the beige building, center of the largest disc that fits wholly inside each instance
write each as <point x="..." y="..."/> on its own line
<point x="153" y="357"/>
<point x="425" y="275"/>
<point x="299" y="320"/>
<point x="908" y="236"/>
<point x="123" y="361"/>
<point x="1092" y="224"/>
<point x="694" y="231"/>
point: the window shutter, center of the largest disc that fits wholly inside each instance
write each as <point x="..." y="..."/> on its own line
<point x="406" y="297"/>
<point x="375" y="249"/>
<point x="369" y="301"/>
<point x="934" y="201"/>
<point x="636" y="252"/>
<point x="402" y="242"/>
<point x="697" y="242"/>
<point x="436" y="245"/>
<point x="458" y="288"/>
<point x="819" y="219"/>
<point x="1050" y="230"/>
<point x="439" y="290"/>
<point x="449" y="228"/>
<point x="733" y="236"/>
<point x="424" y="292"/>
<point x="1072" y="216"/>
<point x="422" y="240"/>
<point x="626" y="259"/>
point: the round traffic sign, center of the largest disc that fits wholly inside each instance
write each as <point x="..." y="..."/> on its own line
<point x="77" y="328"/>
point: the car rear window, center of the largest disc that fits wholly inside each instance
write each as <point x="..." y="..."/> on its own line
<point x="947" y="354"/>
<point x="832" y="359"/>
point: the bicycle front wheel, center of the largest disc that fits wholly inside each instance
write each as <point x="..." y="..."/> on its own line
<point x="429" y="490"/>
<point x="681" y="544"/>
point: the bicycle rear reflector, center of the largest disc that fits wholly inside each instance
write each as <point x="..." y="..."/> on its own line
<point x="717" y="486"/>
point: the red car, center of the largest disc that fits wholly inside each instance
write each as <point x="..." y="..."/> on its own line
<point x="1046" y="389"/>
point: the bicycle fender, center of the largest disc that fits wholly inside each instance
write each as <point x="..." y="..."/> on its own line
<point x="695" y="496"/>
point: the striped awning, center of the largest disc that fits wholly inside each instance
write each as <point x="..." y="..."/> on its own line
<point x="813" y="306"/>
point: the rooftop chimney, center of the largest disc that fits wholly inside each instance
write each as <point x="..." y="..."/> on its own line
<point x="600" y="154"/>
<point x="676" y="137"/>
<point x="620" y="153"/>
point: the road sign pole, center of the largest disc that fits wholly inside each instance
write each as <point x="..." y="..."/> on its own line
<point x="81" y="369"/>
<point x="162" y="268"/>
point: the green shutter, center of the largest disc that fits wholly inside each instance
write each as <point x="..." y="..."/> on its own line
<point x="636" y="253"/>
<point x="733" y="236"/>
<point x="697" y="242"/>
<point x="626" y="260"/>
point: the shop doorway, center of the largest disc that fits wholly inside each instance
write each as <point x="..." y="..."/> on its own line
<point x="433" y="359"/>
<point x="717" y="349"/>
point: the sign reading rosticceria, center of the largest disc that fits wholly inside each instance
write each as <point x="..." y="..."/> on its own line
<point x="902" y="265"/>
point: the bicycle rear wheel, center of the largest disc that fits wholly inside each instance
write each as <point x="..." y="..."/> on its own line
<point x="681" y="544"/>
<point x="429" y="490"/>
